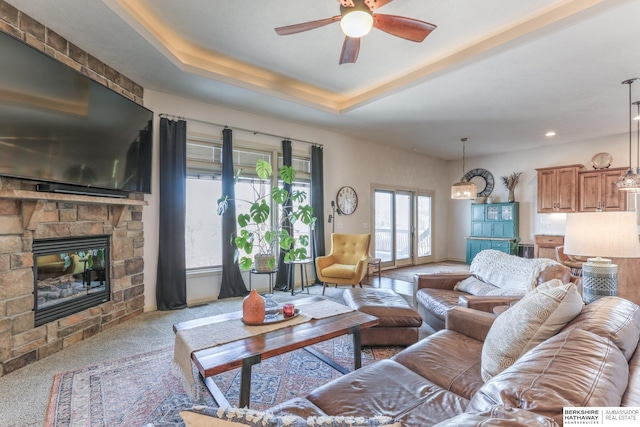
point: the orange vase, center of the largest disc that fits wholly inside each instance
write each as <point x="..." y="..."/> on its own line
<point x="253" y="308"/>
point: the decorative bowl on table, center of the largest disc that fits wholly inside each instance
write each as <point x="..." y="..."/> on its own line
<point x="279" y="318"/>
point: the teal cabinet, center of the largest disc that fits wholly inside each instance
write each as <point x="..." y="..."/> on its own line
<point x="493" y="226"/>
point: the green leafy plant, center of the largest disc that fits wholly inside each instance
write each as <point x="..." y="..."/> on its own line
<point x="256" y="235"/>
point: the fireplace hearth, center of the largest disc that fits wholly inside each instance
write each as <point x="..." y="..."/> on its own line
<point x="70" y="275"/>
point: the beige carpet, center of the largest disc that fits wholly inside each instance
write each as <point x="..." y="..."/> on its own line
<point x="407" y="273"/>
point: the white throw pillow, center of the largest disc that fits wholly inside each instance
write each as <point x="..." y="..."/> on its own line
<point x="539" y="315"/>
<point x="235" y="417"/>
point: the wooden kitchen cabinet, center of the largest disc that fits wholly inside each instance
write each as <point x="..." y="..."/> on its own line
<point x="598" y="191"/>
<point x="558" y="189"/>
<point x="545" y="246"/>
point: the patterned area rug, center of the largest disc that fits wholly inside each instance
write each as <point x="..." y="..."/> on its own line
<point x="145" y="390"/>
<point x="407" y="273"/>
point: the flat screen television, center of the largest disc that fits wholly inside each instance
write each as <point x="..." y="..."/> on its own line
<point x="61" y="128"/>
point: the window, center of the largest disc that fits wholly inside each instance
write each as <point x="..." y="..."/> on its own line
<point x="203" y="230"/>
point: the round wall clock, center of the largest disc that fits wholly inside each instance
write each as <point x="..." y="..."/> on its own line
<point x="347" y="200"/>
<point x="484" y="174"/>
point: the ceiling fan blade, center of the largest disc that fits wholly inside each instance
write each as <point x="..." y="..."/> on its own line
<point x="346" y="3"/>
<point x="350" y="50"/>
<point x="403" y="27"/>
<point x="376" y="4"/>
<point x="306" y="26"/>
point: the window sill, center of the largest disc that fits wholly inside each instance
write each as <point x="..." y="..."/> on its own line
<point x="202" y="272"/>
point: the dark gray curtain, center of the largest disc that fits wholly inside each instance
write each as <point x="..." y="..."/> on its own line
<point x="281" y="278"/>
<point x="232" y="284"/>
<point x="317" y="204"/>
<point x="171" y="285"/>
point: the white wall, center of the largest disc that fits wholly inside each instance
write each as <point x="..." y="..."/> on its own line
<point x="347" y="161"/>
<point x="531" y="222"/>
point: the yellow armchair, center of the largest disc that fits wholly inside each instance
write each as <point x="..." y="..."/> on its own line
<point x="346" y="264"/>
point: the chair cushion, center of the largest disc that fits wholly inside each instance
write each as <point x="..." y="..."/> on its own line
<point x="349" y="248"/>
<point x="537" y="316"/>
<point x="340" y="271"/>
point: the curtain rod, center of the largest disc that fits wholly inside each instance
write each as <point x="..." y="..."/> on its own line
<point x="255" y="132"/>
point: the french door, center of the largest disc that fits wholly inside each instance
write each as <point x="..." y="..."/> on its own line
<point x="402" y="227"/>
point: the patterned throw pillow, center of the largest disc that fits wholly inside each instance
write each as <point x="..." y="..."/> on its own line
<point x="539" y="315"/>
<point x="234" y="417"/>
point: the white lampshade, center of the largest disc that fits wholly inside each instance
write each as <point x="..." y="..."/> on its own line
<point x="602" y="234"/>
<point x="357" y="23"/>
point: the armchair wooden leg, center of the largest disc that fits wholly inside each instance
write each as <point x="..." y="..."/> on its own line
<point x="324" y="285"/>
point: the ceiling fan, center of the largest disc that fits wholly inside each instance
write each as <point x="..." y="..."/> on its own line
<point x="356" y="19"/>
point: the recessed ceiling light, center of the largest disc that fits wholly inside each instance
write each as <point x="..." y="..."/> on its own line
<point x="550" y="134"/>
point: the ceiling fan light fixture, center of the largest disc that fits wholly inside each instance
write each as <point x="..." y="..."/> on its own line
<point x="356" y="23"/>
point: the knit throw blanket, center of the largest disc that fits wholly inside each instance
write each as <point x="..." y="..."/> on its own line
<point x="508" y="271"/>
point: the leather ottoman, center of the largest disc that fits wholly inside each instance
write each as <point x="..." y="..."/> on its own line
<point x="399" y="323"/>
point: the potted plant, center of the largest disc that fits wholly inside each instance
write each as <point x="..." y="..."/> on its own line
<point x="257" y="235"/>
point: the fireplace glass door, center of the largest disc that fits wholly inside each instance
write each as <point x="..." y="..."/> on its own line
<point x="70" y="275"/>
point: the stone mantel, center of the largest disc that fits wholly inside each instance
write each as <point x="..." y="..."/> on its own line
<point x="34" y="200"/>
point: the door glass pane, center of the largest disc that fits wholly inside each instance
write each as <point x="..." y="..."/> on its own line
<point x="424" y="226"/>
<point x="383" y="211"/>
<point x="403" y="226"/>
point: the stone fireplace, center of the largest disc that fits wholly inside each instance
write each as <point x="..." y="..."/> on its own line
<point x="106" y="285"/>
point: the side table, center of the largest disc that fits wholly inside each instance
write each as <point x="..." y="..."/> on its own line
<point x="270" y="273"/>
<point x="374" y="267"/>
<point x="291" y="274"/>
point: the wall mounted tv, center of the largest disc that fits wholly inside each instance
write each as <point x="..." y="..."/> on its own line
<point x="62" y="129"/>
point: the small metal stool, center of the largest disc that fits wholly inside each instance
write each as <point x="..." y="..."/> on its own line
<point x="373" y="266"/>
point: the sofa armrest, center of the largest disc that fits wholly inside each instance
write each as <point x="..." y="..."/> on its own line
<point x="324" y="261"/>
<point x="437" y="281"/>
<point x="484" y="303"/>
<point x="472" y="323"/>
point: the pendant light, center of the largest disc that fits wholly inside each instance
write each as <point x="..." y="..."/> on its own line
<point x="630" y="181"/>
<point x="464" y="190"/>
<point x="637" y="119"/>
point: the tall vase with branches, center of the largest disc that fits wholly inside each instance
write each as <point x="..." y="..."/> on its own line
<point x="510" y="182"/>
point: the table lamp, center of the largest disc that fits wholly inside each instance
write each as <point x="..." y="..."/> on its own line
<point x="601" y="235"/>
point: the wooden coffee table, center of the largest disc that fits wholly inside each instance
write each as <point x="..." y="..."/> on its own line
<point x="245" y="353"/>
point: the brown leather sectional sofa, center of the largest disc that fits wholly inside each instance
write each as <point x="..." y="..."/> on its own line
<point x="434" y="294"/>
<point x="592" y="361"/>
